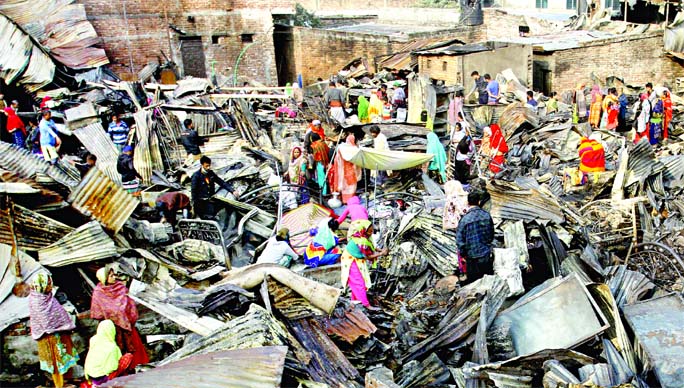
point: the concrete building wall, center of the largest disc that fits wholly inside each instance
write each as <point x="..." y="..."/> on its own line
<point x="637" y="59"/>
<point x="456" y="69"/>
<point x="135" y="33"/>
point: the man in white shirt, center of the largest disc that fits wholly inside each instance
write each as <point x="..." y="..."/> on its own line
<point x="278" y="250"/>
<point x="380" y="144"/>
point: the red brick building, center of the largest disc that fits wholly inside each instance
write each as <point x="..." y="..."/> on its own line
<point x="203" y="37"/>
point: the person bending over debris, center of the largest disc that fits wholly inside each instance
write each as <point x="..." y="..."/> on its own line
<point x="84" y="168"/>
<point x="168" y="204"/>
<point x="130" y="179"/>
<point x="474" y="237"/>
<point x="50" y="327"/>
<point x="191" y="141"/>
<point x="592" y="155"/>
<point x="49" y="140"/>
<point x="354" y="210"/>
<point x="278" y="250"/>
<point x="118" y="130"/>
<point x="111" y="301"/>
<point x="323" y="249"/>
<point x="104" y="360"/>
<point x="203" y="187"/>
<point x="334" y="99"/>
<point x="357" y="253"/>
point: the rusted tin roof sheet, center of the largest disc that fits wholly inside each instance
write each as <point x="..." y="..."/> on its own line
<point x="21" y="61"/>
<point x="61" y="27"/>
<point x="97" y="142"/>
<point x="45" y="198"/>
<point x="27" y="165"/>
<point x="349" y="325"/>
<point x="512" y="203"/>
<point x="32" y="230"/>
<point x="97" y="196"/>
<point x="289" y="303"/>
<point x="87" y="243"/>
<point x="249" y="368"/>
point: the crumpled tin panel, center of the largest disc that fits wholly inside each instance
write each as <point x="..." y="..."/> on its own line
<point x="657" y="325"/>
<point x="61" y="27"/>
<point x="27" y="165"/>
<point x="97" y="142"/>
<point x="87" y="243"/>
<point x="21" y="61"/>
<point x="98" y="197"/>
<point x="249" y="368"/>
<point x="526" y="205"/>
<point x="33" y="230"/>
<point x="350" y="325"/>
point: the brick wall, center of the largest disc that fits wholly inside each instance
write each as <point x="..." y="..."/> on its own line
<point x="134" y="33"/>
<point x="637" y="59"/>
<point x="441" y="67"/>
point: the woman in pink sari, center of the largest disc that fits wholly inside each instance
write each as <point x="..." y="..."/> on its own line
<point x="344" y="175"/>
<point x="111" y="301"/>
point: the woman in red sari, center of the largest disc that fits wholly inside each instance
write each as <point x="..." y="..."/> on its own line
<point x="111" y="301"/>
<point x="344" y="175"/>
<point x="667" y="117"/>
<point x="498" y="147"/>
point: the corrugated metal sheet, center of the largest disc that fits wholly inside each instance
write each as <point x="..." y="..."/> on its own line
<point x="87" y="243"/>
<point x="97" y="141"/>
<point x="405" y="60"/>
<point x="642" y="163"/>
<point x="97" y="196"/>
<point x="255" y="329"/>
<point x="300" y="220"/>
<point x="349" y="324"/>
<point x="530" y="205"/>
<point x="27" y="165"/>
<point x="21" y="61"/>
<point x="289" y="303"/>
<point x="657" y="326"/>
<point x="47" y="198"/>
<point x="147" y="156"/>
<point x="32" y="230"/>
<point x="251" y="368"/>
<point x="61" y="27"/>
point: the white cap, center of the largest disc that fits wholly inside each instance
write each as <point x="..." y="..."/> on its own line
<point x="316" y="122"/>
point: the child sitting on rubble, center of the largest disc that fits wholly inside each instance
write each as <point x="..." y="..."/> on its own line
<point x="323" y="249"/>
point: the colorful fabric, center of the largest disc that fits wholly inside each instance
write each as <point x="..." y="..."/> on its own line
<point x="354" y="210"/>
<point x="373" y="159"/>
<point x="613" y="113"/>
<point x="455" y="107"/>
<point x="317" y="129"/>
<point x="118" y="132"/>
<point x="320" y="152"/>
<point x="592" y="156"/>
<point x="344" y="175"/>
<point x="359" y="246"/>
<point x="57" y="353"/>
<point x="375" y="107"/>
<point x="435" y="147"/>
<point x="48" y="133"/>
<point x="47" y="316"/>
<point x="475" y="234"/>
<point x="644" y="116"/>
<point x="104" y="354"/>
<point x="296" y="170"/>
<point x="595" y="110"/>
<point x="357" y="284"/>
<point x="129" y="341"/>
<point x="667" y="116"/>
<point x="14" y="122"/>
<point x="359" y="239"/>
<point x="112" y="302"/>
<point x="498" y="147"/>
<point x="316" y="255"/>
<point x="455" y="204"/>
<point x="655" y="128"/>
<point x="364" y="106"/>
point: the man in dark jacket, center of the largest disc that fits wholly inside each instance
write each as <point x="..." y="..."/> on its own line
<point x="129" y="176"/>
<point x="474" y="237"/>
<point x="191" y="141"/>
<point x="203" y="187"/>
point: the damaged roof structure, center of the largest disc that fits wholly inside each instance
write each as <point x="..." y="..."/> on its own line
<point x="588" y="278"/>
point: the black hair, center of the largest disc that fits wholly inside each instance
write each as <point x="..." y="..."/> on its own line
<point x="245" y="84"/>
<point x="612" y="91"/>
<point x="553" y="94"/>
<point x="331" y="83"/>
<point x="278" y="238"/>
<point x="530" y="93"/>
<point x="205" y="160"/>
<point x="187" y="122"/>
<point x="458" y="125"/>
<point x="315" y="137"/>
<point x="46" y="112"/>
<point x="473" y="74"/>
<point x="91" y="157"/>
<point x="487" y="76"/>
<point x="649" y="85"/>
<point x="459" y="93"/>
<point x="474" y="198"/>
<point x="374" y="129"/>
<point x="333" y="224"/>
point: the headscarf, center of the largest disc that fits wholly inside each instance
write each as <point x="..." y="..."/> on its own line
<point x="324" y="235"/>
<point x="47" y="316"/>
<point x="376" y="105"/>
<point x="435" y="147"/>
<point x="359" y="242"/>
<point x="112" y="302"/>
<point x="363" y="108"/>
<point x="103" y="354"/>
<point x="595" y="94"/>
<point x="294" y="170"/>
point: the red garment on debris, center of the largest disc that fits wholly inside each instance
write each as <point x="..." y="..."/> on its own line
<point x="497" y="142"/>
<point x="13" y="121"/>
